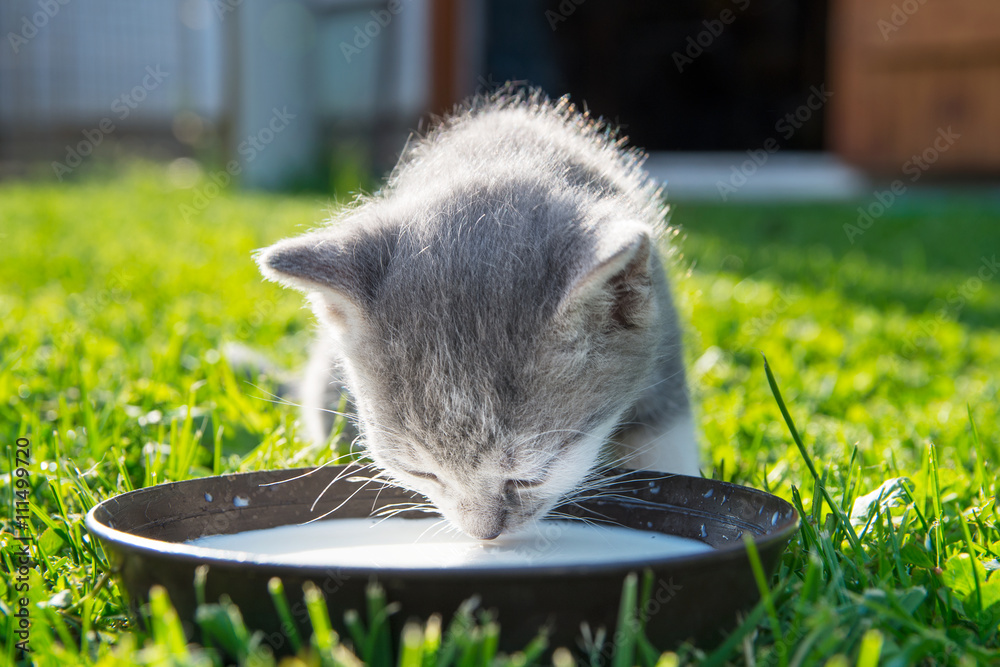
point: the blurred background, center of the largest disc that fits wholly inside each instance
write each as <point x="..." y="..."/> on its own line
<point x="733" y="98"/>
<point x="835" y="166"/>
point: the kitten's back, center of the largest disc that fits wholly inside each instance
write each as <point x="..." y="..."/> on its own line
<point x="525" y="136"/>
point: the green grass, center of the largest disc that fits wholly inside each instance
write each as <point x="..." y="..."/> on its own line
<point x="886" y="352"/>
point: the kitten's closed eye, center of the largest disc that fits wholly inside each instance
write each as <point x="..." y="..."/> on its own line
<point x="423" y="475"/>
<point x="514" y="485"/>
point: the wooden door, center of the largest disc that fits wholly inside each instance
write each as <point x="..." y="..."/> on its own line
<point x="905" y="73"/>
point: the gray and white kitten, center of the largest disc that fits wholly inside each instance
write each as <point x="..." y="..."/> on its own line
<point x="498" y="312"/>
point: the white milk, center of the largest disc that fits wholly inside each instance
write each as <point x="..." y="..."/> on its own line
<point x="431" y="543"/>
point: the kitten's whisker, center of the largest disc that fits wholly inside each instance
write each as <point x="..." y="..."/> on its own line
<point x="590" y="522"/>
<point x="448" y="527"/>
<point x="517" y="487"/>
<point x="600" y="481"/>
<point x="281" y="400"/>
<point x="383" y="516"/>
<point x="358" y="440"/>
<point x="380" y="480"/>
<point x="346" y="471"/>
<point x="404" y="505"/>
<point x="346" y="500"/>
<point x="592" y="511"/>
<point x="436" y="524"/>
<point x="597" y="484"/>
<point x="606" y="494"/>
<point x="661" y="381"/>
<point x="386" y="484"/>
<point x="314" y="470"/>
<point x="387" y="478"/>
<point x="386" y="517"/>
<point x="378" y="495"/>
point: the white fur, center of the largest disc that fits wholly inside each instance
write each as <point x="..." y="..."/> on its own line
<point x="670" y="449"/>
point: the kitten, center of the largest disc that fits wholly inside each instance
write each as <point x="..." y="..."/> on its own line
<point x="498" y="312"/>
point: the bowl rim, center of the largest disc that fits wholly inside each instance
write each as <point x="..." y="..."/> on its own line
<point x="122" y="540"/>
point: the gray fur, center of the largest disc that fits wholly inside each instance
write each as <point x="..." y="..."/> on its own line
<point x="498" y="312"/>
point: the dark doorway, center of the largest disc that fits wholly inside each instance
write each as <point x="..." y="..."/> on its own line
<point x="679" y="75"/>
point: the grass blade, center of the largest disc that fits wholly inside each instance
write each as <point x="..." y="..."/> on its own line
<point x="277" y="590"/>
<point x="625" y="636"/>
<point x="765" y="594"/>
<point x="844" y="523"/>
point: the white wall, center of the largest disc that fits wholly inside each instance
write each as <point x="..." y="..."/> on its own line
<point x="72" y="66"/>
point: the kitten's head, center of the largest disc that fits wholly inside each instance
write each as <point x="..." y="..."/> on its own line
<point x="490" y="355"/>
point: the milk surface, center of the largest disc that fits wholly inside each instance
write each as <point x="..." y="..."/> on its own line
<point x="430" y="543"/>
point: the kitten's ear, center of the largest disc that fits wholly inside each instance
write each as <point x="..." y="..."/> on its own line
<point x="332" y="270"/>
<point x="617" y="285"/>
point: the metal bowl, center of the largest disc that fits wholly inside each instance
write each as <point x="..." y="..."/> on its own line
<point x="694" y="597"/>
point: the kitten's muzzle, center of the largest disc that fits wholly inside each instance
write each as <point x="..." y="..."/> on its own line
<point x="489" y="526"/>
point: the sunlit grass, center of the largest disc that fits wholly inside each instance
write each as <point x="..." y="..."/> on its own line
<point x="886" y="351"/>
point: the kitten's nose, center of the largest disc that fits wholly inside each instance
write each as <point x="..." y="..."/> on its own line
<point x="490" y="526"/>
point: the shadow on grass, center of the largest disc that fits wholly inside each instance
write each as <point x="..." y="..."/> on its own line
<point x="925" y="253"/>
